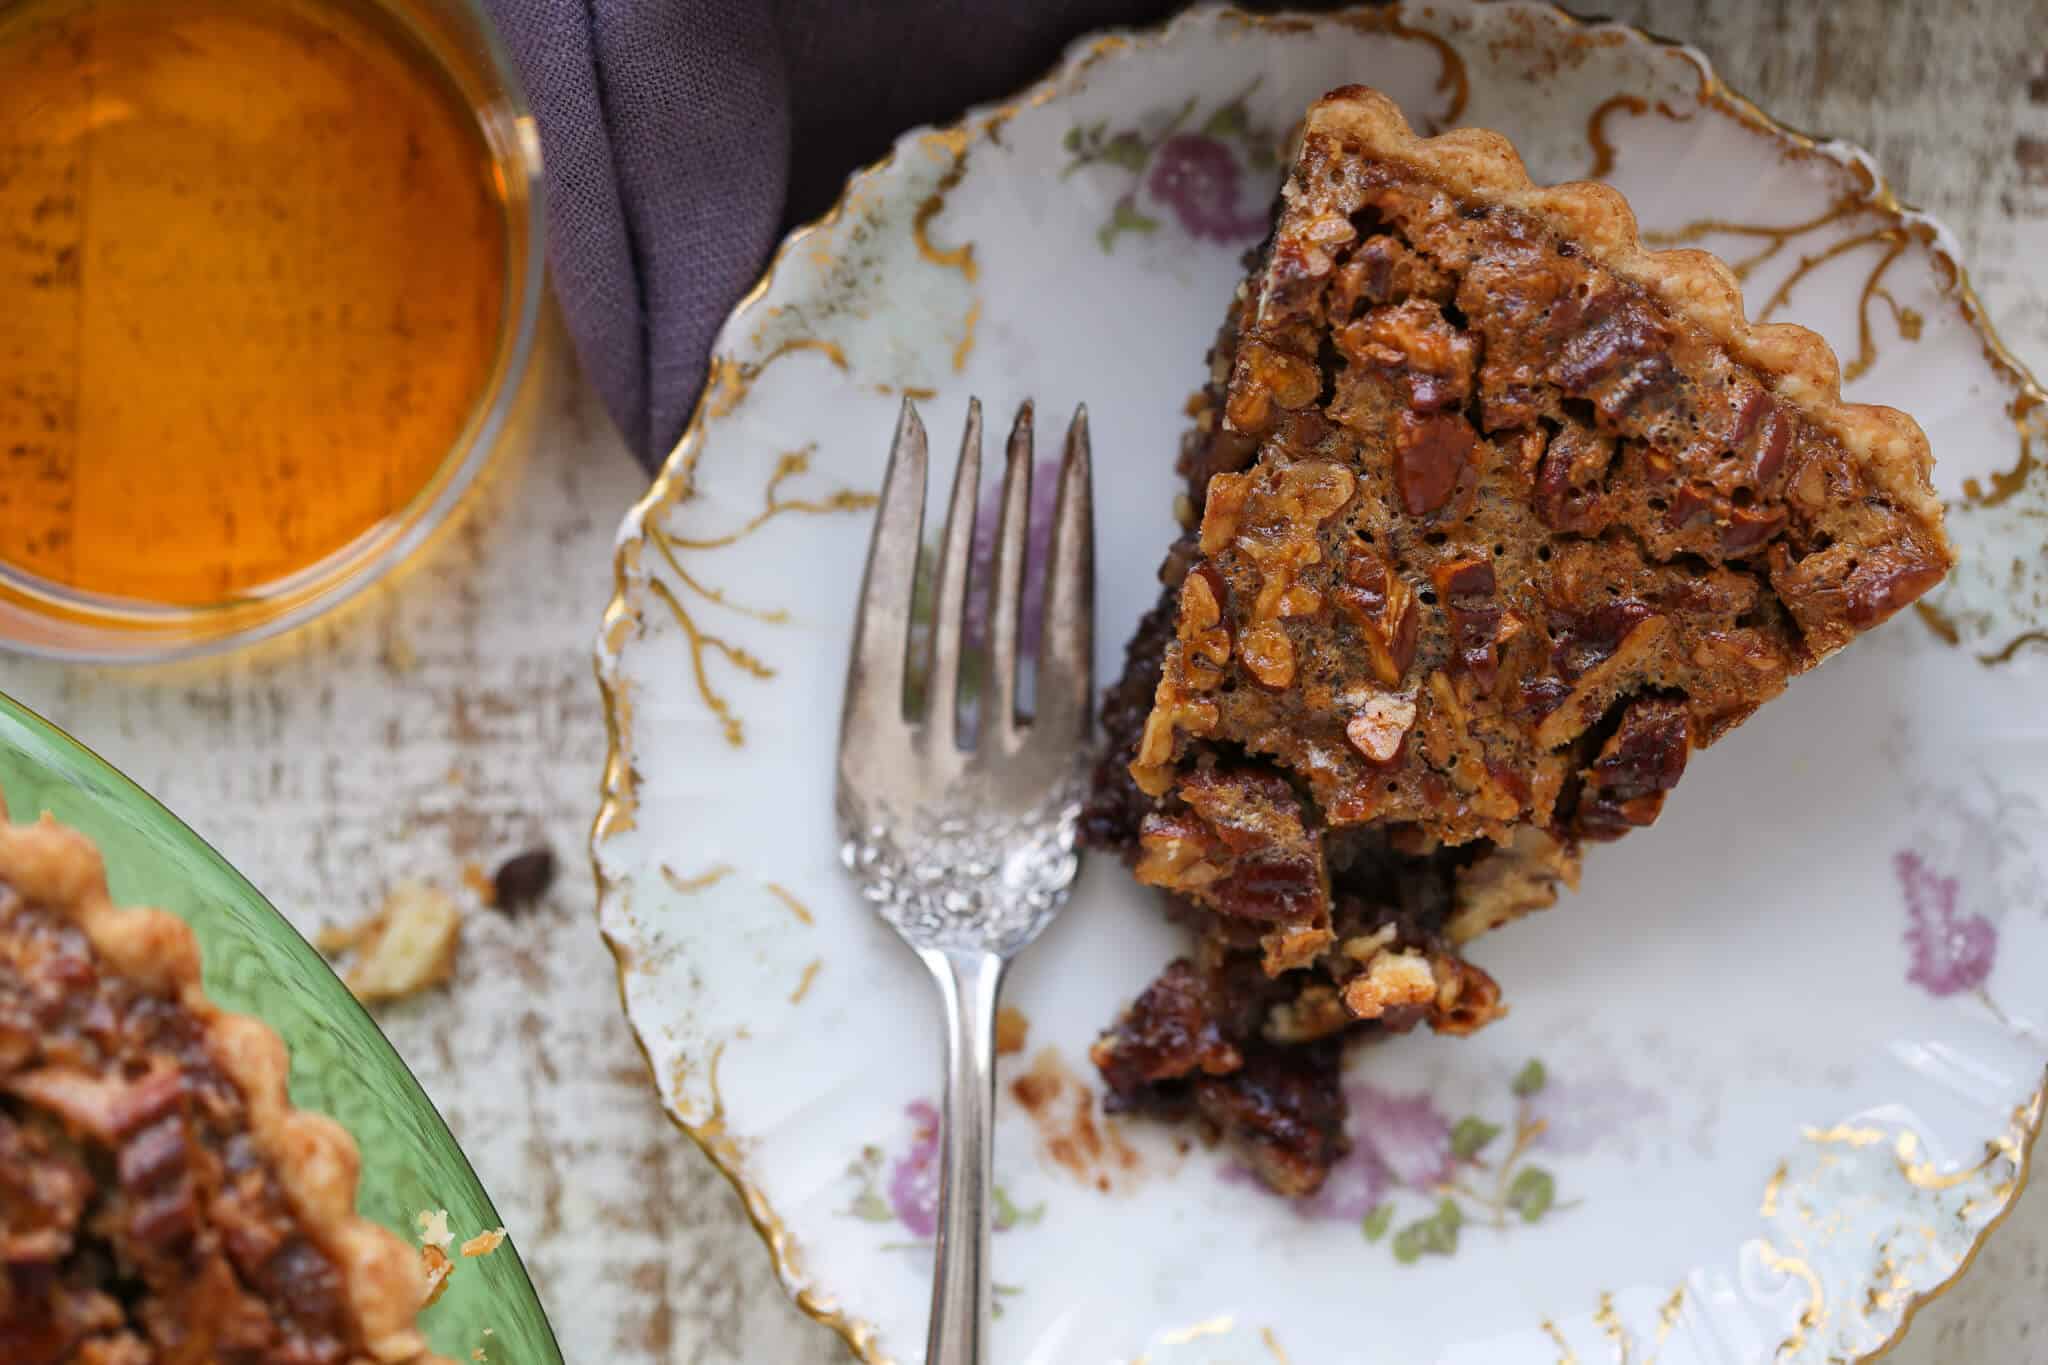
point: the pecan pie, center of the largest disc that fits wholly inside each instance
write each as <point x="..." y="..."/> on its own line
<point x="1498" y="517"/>
<point x="160" y="1200"/>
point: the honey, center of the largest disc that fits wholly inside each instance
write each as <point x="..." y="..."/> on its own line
<point x="252" y="270"/>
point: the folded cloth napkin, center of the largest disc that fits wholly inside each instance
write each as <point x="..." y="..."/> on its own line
<point x="683" y="137"/>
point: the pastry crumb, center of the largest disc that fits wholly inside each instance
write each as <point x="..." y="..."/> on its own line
<point x="1012" y="1028"/>
<point x="436" y="1239"/>
<point x="407" y="947"/>
<point x="484" y="1243"/>
<point x="438" y="1268"/>
<point x="476" y="879"/>
<point x="338" y="938"/>
<point x="433" y="1226"/>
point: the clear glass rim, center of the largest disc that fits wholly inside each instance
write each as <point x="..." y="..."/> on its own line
<point x="41" y="619"/>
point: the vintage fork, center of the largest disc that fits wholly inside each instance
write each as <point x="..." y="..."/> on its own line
<point x="968" y="852"/>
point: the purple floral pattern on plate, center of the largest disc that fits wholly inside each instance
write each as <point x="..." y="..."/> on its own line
<point x="1974" y="855"/>
<point x="1398" y="1141"/>
<point x="1582" y="1113"/>
<point x="1948" y="952"/>
<point x="1973" y="858"/>
<point x="1197" y="177"/>
<point x="1476" y="1172"/>
<point x="914" y="1179"/>
<point x="905" y="1190"/>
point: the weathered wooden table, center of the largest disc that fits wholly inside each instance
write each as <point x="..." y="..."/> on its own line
<point x="451" y="717"/>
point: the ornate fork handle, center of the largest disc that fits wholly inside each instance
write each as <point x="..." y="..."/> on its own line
<point x="970" y="982"/>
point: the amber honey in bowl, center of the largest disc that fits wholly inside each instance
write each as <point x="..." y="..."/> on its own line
<point x="253" y="278"/>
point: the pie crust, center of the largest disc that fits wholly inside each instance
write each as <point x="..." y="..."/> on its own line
<point x="48" y="868"/>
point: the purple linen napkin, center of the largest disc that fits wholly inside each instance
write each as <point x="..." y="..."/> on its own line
<point x="683" y="137"/>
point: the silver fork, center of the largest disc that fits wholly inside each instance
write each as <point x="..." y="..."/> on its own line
<point x="968" y="853"/>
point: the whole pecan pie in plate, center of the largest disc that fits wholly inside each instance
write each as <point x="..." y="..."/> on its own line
<point x="160" y="1199"/>
<point x="1497" y="517"/>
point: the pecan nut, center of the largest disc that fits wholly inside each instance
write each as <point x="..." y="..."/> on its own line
<point x="1466" y="589"/>
<point x="1432" y="451"/>
<point x="1641" y="761"/>
<point x="1420" y="347"/>
<point x="1267" y="377"/>
<point x="1204" y="628"/>
<point x="1378" y="729"/>
<point x="1382" y="605"/>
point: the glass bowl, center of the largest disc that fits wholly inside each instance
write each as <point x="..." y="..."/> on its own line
<point x="45" y="619"/>
<point x="256" y="963"/>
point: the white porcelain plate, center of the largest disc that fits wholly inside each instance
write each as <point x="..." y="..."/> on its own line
<point x="1789" y="1042"/>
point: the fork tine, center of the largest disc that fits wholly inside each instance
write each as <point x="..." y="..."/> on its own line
<point x="1006" y="592"/>
<point x="881" y="630"/>
<point x="1066" y="646"/>
<point x="949" y="604"/>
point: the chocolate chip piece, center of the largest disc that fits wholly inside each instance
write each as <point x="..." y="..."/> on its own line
<point x="523" y="879"/>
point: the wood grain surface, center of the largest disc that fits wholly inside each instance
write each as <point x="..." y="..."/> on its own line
<point x="451" y="717"/>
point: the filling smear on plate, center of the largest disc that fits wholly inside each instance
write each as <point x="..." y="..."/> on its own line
<point x="1499" y="517"/>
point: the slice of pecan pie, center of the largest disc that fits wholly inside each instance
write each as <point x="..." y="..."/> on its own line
<point x="1499" y="517"/>
<point x="160" y="1199"/>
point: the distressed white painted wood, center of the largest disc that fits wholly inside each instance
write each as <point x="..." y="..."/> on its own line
<point x="451" y="717"/>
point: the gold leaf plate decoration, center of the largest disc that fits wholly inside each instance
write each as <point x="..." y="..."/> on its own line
<point x="1772" y="1074"/>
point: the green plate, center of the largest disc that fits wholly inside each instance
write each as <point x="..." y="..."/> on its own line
<point x="256" y="963"/>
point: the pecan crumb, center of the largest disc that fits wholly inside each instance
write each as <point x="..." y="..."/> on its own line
<point x="522" y="880"/>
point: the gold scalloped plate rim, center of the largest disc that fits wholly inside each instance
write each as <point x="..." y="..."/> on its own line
<point x="671" y="484"/>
